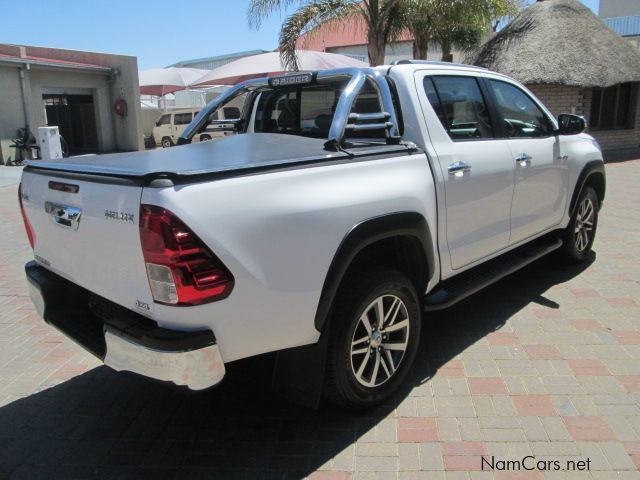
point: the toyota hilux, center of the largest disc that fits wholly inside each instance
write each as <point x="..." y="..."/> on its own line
<point x="341" y="208"/>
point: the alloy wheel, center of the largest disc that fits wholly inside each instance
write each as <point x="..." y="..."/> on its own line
<point x="584" y="224"/>
<point x="379" y="341"/>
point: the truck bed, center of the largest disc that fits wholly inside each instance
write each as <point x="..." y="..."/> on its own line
<point x="236" y="153"/>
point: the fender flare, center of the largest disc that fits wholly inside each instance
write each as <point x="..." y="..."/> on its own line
<point x="593" y="167"/>
<point x="412" y="224"/>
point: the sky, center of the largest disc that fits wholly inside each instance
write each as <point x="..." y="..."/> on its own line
<point x="158" y="32"/>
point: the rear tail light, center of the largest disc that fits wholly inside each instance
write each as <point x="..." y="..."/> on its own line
<point x="180" y="267"/>
<point x="27" y="226"/>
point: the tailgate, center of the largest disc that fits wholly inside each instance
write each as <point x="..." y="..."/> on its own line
<point x="90" y="237"/>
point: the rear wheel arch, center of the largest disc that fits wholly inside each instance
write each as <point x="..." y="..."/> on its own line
<point x="399" y="240"/>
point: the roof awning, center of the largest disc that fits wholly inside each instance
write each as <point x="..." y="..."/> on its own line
<point x="53" y="63"/>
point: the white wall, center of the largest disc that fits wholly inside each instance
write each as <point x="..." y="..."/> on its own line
<point x="69" y="83"/>
<point x="114" y="132"/>
<point x="395" y="51"/>
<point x="11" y="111"/>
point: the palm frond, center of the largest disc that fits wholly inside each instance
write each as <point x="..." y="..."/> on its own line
<point x="395" y="19"/>
<point x="260" y="9"/>
<point x="307" y="18"/>
<point x="456" y="22"/>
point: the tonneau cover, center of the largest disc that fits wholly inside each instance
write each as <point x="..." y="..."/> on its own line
<point x="232" y="153"/>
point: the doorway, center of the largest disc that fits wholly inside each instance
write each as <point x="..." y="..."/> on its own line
<point x="75" y="117"/>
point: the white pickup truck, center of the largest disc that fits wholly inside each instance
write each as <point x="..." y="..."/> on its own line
<point x="346" y="205"/>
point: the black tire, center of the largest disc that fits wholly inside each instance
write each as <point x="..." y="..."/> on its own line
<point x="205" y="138"/>
<point x="355" y="298"/>
<point x="584" y="221"/>
<point x="166" y="142"/>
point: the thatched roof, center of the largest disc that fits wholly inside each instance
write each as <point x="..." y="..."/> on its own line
<point x="560" y="42"/>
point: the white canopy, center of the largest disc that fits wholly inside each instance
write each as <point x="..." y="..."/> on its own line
<point x="269" y="64"/>
<point x="161" y="81"/>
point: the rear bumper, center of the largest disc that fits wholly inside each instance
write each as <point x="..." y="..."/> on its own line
<point x="122" y="339"/>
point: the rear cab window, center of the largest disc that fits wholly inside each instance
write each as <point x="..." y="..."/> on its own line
<point x="460" y="105"/>
<point x="309" y="110"/>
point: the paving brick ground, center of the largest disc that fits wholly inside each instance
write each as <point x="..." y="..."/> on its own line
<point x="545" y="363"/>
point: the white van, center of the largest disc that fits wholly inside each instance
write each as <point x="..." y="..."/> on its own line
<point x="170" y="125"/>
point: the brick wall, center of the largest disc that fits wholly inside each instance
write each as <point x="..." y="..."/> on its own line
<point x="562" y="99"/>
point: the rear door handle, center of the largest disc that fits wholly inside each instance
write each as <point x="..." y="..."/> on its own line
<point x="458" y="168"/>
<point x="523" y="159"/>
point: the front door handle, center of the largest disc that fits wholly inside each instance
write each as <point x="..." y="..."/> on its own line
<point x="523" y="160"/>
<point x="458" y="168"/>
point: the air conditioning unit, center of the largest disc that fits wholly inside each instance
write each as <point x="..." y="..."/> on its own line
<point x="50" y="144"/>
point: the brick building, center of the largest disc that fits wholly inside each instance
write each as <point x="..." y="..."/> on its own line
<point x="575" y="64"/>
<point x="348" y="36"/>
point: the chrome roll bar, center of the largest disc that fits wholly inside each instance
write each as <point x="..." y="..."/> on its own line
<point x="202" y="118"/>
<point x="357" y="78"/>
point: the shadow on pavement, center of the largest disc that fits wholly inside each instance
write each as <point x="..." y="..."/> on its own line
<point x="107" y="425"/>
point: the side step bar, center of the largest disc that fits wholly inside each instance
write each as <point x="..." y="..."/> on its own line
<point x="461" y="286"/>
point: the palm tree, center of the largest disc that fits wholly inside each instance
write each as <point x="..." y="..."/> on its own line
<point x="384" y="21"/>
<point x="449" y="23"/>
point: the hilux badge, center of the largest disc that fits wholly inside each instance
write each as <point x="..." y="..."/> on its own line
<point x="119" y="216"/>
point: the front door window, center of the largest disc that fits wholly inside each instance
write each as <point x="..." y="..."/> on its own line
<point x="522" y="117"/>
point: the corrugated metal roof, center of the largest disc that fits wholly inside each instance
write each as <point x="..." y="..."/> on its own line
<point x="229" y="56"/>
<point x="625" y="26"/>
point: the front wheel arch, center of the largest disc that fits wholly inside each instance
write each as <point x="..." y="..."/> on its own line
<point x="592" y="174"/>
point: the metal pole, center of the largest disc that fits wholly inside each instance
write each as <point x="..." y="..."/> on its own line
<point x="111" y="83"/>
<point x="26" y="100"/>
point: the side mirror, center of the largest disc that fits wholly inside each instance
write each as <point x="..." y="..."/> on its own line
<point x="571" y="124"/>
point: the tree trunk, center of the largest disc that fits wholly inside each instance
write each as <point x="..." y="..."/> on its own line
<point x="420" y="48"/>
<point x="447" y="56"/>
<point x="376" y="49"/>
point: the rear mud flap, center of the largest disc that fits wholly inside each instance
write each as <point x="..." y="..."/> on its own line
<point x="298" y="374"/>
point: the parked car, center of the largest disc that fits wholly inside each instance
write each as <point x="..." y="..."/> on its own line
<point x="171" y="125"/>
<point x="349" y="204"/>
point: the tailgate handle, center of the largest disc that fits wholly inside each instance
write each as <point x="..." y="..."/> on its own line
<point x="67" y="217"/>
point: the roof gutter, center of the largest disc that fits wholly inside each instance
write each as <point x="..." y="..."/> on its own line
<point x="44" y="63"/>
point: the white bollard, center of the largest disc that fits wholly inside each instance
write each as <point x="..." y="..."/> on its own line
<point x="50" y="145"/>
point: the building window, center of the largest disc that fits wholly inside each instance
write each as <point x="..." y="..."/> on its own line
<point x="612" y="108"/>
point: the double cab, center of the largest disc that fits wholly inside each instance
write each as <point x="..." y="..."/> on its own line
<point x="341" y="208"/>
